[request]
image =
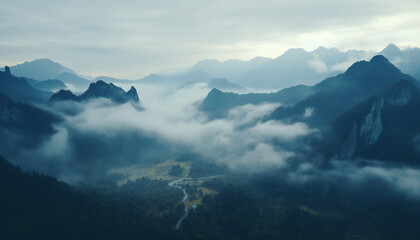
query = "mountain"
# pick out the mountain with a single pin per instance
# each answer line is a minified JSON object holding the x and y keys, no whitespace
{"x":46,"y":69}
{"x":336,"y":95}
{"x":99,"y":89}
{"x":23,"y":126}
{"x":64,"y":95}
{"x":40,"y":69}
{"x":230,"y":69}
{"x":297,"y":66}
{"x":218,"y":103}
{"x":224,"y":84}
{"x":47,"y":85}
{"x":407,"y":60}
{"x":384,"y":127}
{"x":73,"y":80}
{"x":177,"y":81}
{"x":113,"y":80}
{"x":219,"y":83}
{"x":18,"y":89}
{"x":117,"y":94}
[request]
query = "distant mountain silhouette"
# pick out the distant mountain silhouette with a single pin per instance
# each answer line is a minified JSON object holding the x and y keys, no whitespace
{"x":73,"y":80}
{"x":219,"y":83}
{"x":18,"y":89}
{"x":47,"y":85}
{"x":40,"y":69}
{"x":114,"y":80}
{"x":178,"y":80}
{"x":335,"y":95}
{"x":297,"y":66}
{"x":230,"y":69}
{"x":218,"y":103}
{"x":224,"y":84}
{"x":407,"y":60}
{"x":99,"y":89}
{"x":293,"y":67}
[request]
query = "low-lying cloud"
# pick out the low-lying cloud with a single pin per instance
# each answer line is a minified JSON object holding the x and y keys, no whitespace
{"x":359,"y":173}
{"x":98,"y":135}
{"x":107,"y":134}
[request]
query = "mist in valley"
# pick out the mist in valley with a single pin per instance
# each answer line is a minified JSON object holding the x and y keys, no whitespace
{"x":209,"y":120}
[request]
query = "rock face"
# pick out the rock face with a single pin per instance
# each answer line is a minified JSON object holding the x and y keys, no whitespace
{"x":97,"y":90}
{"x":401,"y":95}
{"x":350,"y":145}
{"x":132,"y":94}
{"x":371,"y":127}
{"x":7,"y":70}
{"x":384,"y":127}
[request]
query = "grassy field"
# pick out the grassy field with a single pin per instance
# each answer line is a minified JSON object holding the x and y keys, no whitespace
{"x":161,"y":172}
{"x":157,"y":171}
{"x":311,"y":211}
{"x":195,"y":199}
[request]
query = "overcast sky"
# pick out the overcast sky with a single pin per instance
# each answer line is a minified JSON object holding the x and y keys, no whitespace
{"x":132,"y":38}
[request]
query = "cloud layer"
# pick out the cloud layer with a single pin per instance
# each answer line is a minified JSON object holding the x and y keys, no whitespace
{"x":98,"y":135}
{"x":134,"y":38}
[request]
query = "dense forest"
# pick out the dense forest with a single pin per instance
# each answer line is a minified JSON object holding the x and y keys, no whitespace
{"x":251,"y":206}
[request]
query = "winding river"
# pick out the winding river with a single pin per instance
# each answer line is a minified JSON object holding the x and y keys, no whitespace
{"x":177,"y":184}
{"x":184,"y":199}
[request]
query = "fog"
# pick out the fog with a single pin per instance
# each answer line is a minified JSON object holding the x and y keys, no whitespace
{"x":361,"y":174}
{"x":97,"y":136}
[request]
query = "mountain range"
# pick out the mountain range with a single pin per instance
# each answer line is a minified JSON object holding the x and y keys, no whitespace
{"x":23,"y":126}
{"x":383,"y":127}
{"x":51,"y":85}
{"x":217,"y":103}
{"x":18,"y":89}
{"x":293,"y":67}
{"x":297,"y":66}
{"x":99,"y":89}
{"x":40,"y":69}
{"x":335,"y":95}
{"x":369,"y":111}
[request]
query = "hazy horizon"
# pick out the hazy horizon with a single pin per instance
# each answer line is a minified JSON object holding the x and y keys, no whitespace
{"x":132,"y":39}
{"x":177,"y":70}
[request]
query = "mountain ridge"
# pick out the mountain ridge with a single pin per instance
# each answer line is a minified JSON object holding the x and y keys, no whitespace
{"x":335,"y":95}
{"x":99,"y":89}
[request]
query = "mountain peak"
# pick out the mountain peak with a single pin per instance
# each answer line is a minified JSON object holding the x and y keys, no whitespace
{"x":39,"y":69}
{"x":321,"y":48}
{"x":324,"y":50}
{"x":379,"y":59}
{"x":132,"y":93}
{"x":296,"y":51}
{"x":63,"y":95}
{"x":45,"y":60}
{"x":7,"y":70}
{"x":391,"y":48}
{"x":117,"y":94}
{"x":100,"y":89}
{"x":214,"y":91}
